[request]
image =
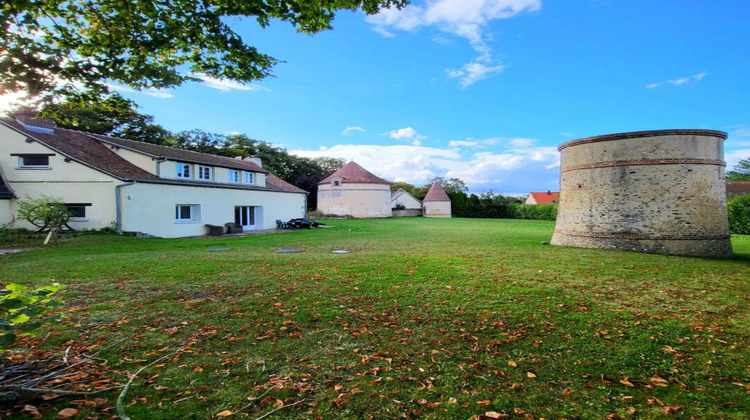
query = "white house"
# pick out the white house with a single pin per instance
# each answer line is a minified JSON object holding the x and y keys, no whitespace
{"x":136,"y":186}
{"x":436,"y":203}
{"x":355,"y":192}
{"x":403,"y":198}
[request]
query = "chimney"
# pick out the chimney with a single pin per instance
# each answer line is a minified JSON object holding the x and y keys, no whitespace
{"x":28,"y":118}
{"x":255,"y":160}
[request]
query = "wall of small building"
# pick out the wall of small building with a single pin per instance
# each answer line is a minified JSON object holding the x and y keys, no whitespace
{"x":6,"y":215}
{"x":436,"y":209}
{"x":355,"y":200}
{"x":408,"y":201}
{"x":530,"y":200}
{"x":151,"y":208}
{"x":70,"y":182}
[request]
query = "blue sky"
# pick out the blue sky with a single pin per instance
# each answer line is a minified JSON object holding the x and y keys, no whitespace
{"x":483,"y":90}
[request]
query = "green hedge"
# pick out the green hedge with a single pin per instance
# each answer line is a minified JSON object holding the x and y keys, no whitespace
{"x":535,"y":211}
{"x":738,"y":210}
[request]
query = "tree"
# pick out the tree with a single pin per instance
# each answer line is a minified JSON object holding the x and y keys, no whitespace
{"x":403,"y":185}
{"x":741,"y":171}
{"x":111,"y":115}
{"x":50,"y":46}
{"x":450,"y":185}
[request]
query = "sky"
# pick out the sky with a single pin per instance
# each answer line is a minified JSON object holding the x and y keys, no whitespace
{"x":482,"y":90}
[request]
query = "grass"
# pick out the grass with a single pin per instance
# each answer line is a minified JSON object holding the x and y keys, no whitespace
{"x":425,"y":318}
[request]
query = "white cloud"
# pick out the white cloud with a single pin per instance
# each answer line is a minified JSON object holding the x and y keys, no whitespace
{"x":156,"y":93}
{"x":226,"y":85}
{"x":679,"y":81}
{"x":508,"y":171}
{"x":406,"y":133}
{"x":463,"y":18}
{"x":463,"y":143}
{"x":348,"y":130}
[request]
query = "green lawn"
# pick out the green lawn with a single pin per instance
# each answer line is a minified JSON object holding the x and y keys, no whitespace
{"x":425,"y":318}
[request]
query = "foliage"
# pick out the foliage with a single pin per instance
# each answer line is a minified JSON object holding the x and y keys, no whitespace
{"x":738,"y":211}
{"x":112,"y":115}
{"x":46,"y":213}
{"x":741,"y":171}
{"x":23,"y":310}
{"x":535,"y":211}
{"x":399,"y":206}
{"x":52,"y":46}
{"x":489,"y":205}
{"x":403,"y":185}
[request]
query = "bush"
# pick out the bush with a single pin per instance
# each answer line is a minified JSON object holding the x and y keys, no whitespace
{"x":22,"y":310}
{"x":536,"y":211}
{"x":738,"y":211}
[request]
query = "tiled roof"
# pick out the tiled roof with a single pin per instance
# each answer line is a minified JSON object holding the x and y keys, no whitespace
{"x":5,"y":191}
{"x":84,"y":149}
{"x":354,"y":174}
{"x":182,"y":155}
{"x":549,"y":197}
{"x":88,"y":149}
{"x":436,"y":193}
{"x":737,"y":188}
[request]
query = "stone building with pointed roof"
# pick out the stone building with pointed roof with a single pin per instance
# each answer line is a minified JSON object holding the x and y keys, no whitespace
{"x":353,"y":191}
{"x":436,"y":203}
{"x":137,"y":187}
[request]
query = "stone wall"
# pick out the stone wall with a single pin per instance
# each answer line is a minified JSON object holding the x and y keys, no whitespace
{"x":651,"y":191}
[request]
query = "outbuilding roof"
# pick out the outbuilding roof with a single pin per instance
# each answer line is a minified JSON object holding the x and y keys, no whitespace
{"x":354,"y":174}
{"x":436,"y":193}
{"x":548,"y":197}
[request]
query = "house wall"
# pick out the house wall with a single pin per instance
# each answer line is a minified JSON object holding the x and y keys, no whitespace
{"x":355,"y":200}
{"x":71,"y":182}
{"x":408,"y":201}
{"x":658,"y":192}
{"x":436,"y":209}
{"x":530,"y":200}
{"x":168,"y":170}
{"x":147,"y":163}
{"x":150,"y":208}
{"x":5,"y":212}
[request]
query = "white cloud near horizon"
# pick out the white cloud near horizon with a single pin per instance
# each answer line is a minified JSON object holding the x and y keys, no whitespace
{"x":348,"y":130}
{"x":226,"y":85}
{"x":511,"y":170}
{"x":679,"y":81}
{"x":406,"y":134}
{"x":463,"y":18}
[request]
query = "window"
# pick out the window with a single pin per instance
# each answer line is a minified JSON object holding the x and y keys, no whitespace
{"x":77,"y":211}
{"x":234,"y":176}
{"x":248,"y":177}
{"x":204,"y":173}
{"x":33,"y":161}
{"x":187,"y":213}
{"x":244,"y":215}
{"x":183,"y":170}
{"x":336,"y":183}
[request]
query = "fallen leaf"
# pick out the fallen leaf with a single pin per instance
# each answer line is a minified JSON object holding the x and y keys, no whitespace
{"x":512,"y":363}
{"x":626,"y":382}
{"x":495,"y":415}
{"x":530,"y":375}
{"x":452,"y":400}
{"x":519,"y":410}
{"x":484,"y":402}
{"x":67,"y":413}
{"x":225,"y":413}
{"x":33,"y":411}
{"x":671,"y":409}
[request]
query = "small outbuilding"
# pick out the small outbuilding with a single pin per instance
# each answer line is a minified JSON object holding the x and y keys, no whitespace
{"x":549,"y":197}
{"x":405,"y":204}
{"x":436,"y":203}
{"x":353,"y":191}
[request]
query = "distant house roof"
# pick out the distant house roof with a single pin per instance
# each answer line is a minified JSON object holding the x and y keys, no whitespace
{"x":737,"y":188}
{"x":436,"y":193}
{"x":548,"y":197}
{"x":92,"y":150}
{"x":354,"y":174}
{"x":5,"y":191}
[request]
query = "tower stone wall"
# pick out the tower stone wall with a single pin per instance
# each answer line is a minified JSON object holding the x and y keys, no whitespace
{"x":649,"y":191}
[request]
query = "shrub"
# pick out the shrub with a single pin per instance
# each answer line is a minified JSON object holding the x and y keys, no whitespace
{"x":22,"y":310}
{"x":536,"y":211}
{"x":738,"y":211}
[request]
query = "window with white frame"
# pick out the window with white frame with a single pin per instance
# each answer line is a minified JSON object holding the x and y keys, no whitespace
{"x":33,"y":161}
{"x":234,"y":175}
{"x":204,"y":173}
{"x":248,"y":177}
{"x":187,"y":213}
{"x":183,"y":170}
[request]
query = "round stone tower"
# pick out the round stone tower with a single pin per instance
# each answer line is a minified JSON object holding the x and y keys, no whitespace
{"x":649,"y":191}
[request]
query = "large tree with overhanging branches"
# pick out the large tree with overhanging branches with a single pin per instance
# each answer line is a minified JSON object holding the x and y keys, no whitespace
{"x":57,"y":47}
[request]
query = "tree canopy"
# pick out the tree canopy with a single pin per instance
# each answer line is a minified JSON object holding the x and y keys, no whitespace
{"x":56,"y":47}
{"x":741,"y":171}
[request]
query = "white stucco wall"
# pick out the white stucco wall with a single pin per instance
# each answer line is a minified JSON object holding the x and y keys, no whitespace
{"x":408,"y":201}
{"x":5,"y":213}
{"x":355,"y":200}
{"x":71,"y":182}
{"x":436,"y":209}
{"x":147,"y":163}
{"x":150,"y":208}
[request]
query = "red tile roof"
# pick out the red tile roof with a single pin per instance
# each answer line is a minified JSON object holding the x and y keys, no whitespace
{"x":436,"y":193}
{"x":354,"y":174}
{"x":549,"y":197}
